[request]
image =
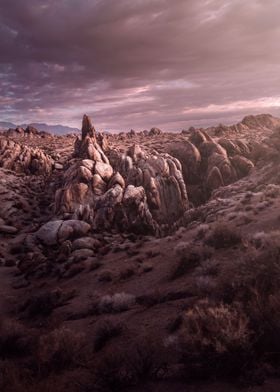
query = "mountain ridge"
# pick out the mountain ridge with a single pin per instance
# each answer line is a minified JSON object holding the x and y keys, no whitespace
{"x":57,"y":129}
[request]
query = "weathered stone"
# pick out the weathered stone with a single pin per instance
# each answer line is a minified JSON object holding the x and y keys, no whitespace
{"x":48,"y":233}
{"x":72,"y":229}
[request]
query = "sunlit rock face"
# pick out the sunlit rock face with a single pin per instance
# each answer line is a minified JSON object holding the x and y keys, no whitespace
{"x":143,"y":191}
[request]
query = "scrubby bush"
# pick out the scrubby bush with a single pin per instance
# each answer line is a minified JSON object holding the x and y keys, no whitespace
{"x":14,"y":339}
{"x":215,"y":338}
{"x":190,"y":255}
{"x":223,"y":236}
{"x":115,"y":303}
{"x":216,"y":328}
{"x":60,"y":349}
{"x":105,"y":331}
{"x":143,"y":361}
{"x":254,"y":282}
{"x":43,"y":303}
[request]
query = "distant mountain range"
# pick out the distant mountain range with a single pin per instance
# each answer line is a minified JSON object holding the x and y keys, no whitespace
{"x":56,"y":129}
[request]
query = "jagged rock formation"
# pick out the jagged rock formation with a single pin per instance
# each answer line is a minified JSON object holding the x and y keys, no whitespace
{"x":140,"y":192}
{"x":23,"y":159}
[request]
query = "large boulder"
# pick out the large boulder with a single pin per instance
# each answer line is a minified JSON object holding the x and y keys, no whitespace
{"x":55,"y":232}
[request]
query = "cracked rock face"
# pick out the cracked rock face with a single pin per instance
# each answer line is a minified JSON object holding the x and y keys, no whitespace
{"x":141,"y":192}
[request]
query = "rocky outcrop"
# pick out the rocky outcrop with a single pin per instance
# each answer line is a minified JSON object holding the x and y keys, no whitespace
{"x":141,"y":191}
{"x":208,"y":163}
{"x":22,"y":159}
{"x":161,"y":177}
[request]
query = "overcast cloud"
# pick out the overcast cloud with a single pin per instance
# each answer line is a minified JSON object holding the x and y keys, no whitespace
{"x":139,"y":63}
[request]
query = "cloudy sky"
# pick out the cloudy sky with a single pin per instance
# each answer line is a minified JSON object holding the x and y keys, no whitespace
{"x":139,"y":63}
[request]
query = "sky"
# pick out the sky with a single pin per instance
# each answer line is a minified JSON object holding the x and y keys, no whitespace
{"x":136,"y":64}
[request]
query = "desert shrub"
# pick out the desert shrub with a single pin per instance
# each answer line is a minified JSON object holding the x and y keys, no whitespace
{"x":272,"y":191}
{"x":190,"y":256}
{"x":115,"y":303}
{"x":202,"y":230}
{"x":134,"y":365}
{"x":258,"y":273}
{"x":254,"y":281}
{"x":205,"y":285}
{"x":15,"y":340}
{"x":215,"y":338}
{"x":60,"y":349}
{"x":42,"y":304}
{"x":270,"y":240}
{"x":45,"y":302}
{"x":105,"y":331}
{"x":217,"y":328}
{"x":223,"y":236}
{"x":15,"y":378}
{"x":174,"y":324}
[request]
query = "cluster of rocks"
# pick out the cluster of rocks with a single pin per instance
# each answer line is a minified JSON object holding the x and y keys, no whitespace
{"x":23,"y":159}
{"x":28,"y":132}
{"x":137,"y":191}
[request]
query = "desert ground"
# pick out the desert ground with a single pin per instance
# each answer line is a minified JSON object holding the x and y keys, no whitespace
{"x":144,"y":261}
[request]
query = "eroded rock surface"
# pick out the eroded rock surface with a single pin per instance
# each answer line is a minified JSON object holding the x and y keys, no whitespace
{"x":141,"y":191}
